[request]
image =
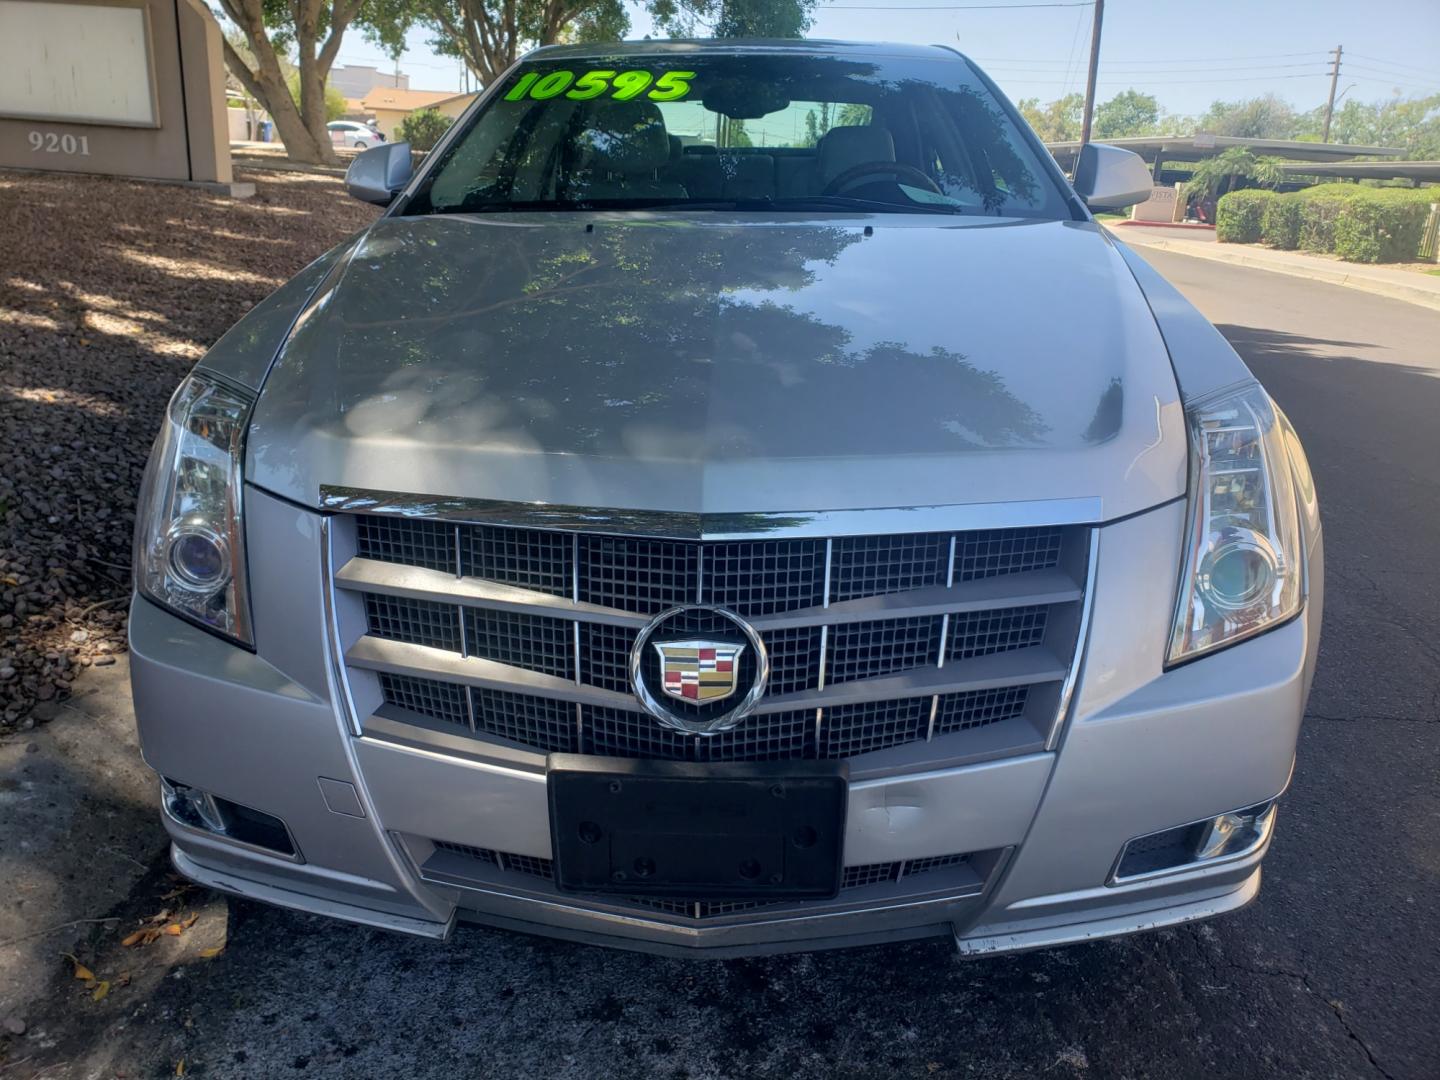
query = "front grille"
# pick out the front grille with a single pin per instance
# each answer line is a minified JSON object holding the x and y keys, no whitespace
{"x":860,"y":673}
{"x":852,"y":878}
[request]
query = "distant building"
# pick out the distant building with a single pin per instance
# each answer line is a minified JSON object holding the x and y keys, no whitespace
{"x":357,"y":80}
{"x":389,"y":107}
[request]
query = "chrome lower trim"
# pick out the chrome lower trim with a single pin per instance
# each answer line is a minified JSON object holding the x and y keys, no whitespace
{"x":1093,"y":929}
{"x":684,"y":525}
{"x":437,"y":930}
{"x":1082,"y":642}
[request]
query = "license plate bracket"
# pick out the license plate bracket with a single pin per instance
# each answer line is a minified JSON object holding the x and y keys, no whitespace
{"x":761,"y":830}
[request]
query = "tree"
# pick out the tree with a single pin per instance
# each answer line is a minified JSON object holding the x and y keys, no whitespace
{"x":1412,"y":124}
{"x":1266,"y":117}
{"x":1225,"y":171}
{"x":1127,"y":113}
{"x":488,"y":35}
{"x":310,"y":31}
{"x":335,"y":106}
{"x":1059,"y":121}
{"x":761,"y":18}
{"x":423,"y":128}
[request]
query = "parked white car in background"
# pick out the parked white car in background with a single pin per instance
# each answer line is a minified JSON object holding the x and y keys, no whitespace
{"x":352,"y":133}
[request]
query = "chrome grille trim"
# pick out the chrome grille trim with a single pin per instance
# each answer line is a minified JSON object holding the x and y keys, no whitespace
{"x":1032,"y":587}
{"x":1011,"y":621}
{"x":683,"y":525}
{"x":1022,"y":667}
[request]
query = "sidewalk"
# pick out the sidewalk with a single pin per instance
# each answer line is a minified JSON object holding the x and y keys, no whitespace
{"x":1404,"y":285}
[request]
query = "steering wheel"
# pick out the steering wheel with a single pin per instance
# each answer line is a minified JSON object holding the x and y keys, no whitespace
{"x":871,"y":168}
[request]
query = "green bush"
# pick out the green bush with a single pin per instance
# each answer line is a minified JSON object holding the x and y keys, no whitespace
{"x":1280,"y":224}
{"x":1381,"y":229}
{"x":1320,"y":209}
{"x":1356,"y":222}
{"x":423,"y":128}
{"x":1239,"y":214}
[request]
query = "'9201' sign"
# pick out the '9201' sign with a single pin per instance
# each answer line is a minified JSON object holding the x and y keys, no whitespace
{"x":50,"y":142}
{"x":620,"y":85}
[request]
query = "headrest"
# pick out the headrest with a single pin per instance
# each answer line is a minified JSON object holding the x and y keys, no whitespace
{"x":624,"y":137}
{"x":843,"y":148}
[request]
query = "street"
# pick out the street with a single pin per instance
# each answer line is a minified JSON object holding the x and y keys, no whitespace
{"x":1335,"y":972}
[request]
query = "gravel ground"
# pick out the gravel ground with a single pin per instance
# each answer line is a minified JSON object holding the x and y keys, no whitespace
{"x":109,"y":291}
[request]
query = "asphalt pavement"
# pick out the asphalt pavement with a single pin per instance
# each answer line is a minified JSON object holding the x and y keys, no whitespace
{"x":1335,"y":972}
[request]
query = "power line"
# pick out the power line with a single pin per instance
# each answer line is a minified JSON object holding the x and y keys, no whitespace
{"x":1166,"y":82}
{"x":1175,"y":60}
{"x":1178,"y":71}
{"x":1400,"y":78}
{"x":1394,"y":63}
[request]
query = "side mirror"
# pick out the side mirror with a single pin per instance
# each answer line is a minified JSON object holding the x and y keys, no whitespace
{"x":378,"y":174}
{"x":1108,"y":178}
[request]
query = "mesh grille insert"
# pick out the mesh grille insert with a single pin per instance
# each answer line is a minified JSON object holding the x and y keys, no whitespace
{"x":618,"y":733}
{"x":429,"y":697}
{"x":526,"y":558}
{"x":405,"y":540}
{"x":605,"y":655}
{"x":761,"y":577}
{"x":870,"y":874}
{"x":848,"y":730}
{"x":543,"y":723}
{"x":852,"y":877}
{"x":978,"y":633}
{"x":991,"y":552}
{"x":528,"y":641}
{"x":767,"y":737}
{"x":419,"y":622}
{"x":794,"y":659}
{"x":875,"y":565}
{"x":976,"y":708}
{"x":867,"y":650}
{"x":638,"y":574}
{"x":934,"y":862}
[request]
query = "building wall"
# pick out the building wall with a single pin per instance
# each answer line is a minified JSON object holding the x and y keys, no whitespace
{"x":357,"y":80}
{"x":189,"y":136}
{"x":388,"y":120}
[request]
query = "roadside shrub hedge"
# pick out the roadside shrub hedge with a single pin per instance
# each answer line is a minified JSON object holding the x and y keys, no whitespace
{"x":1359,"y":224}
{"x":1280,"y":227}
{"x":1239,"y":215}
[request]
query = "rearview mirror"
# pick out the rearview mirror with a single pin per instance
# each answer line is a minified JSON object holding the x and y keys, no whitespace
{"x":1108,"y":178}
{"x":379,"y":174}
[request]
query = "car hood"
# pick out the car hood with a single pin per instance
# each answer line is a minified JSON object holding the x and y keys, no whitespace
{"x":726,"y":364}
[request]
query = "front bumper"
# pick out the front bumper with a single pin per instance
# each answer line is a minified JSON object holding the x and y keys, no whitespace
{"x":1144,"y":749}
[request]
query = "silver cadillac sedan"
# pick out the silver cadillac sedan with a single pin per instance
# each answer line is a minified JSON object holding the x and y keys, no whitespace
{"x":735,"y":499}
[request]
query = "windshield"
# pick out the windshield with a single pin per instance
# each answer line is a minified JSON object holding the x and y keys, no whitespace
{"x":725,"y":131}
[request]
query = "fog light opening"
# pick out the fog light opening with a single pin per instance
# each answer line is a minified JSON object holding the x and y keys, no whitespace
{"x":209,"y":813}
{"x":1225,"y":836}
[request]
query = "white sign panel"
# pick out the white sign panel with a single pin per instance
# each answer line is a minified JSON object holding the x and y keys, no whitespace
{"x":85,"y":63}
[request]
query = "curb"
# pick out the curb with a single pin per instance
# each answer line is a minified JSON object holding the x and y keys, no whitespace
{"x":1393,"y":290}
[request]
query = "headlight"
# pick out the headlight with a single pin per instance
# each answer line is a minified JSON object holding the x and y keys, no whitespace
{"x":1244,"y":561}
{"x":189,"y":539}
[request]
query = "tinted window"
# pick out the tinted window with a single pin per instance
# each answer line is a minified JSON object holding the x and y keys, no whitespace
{"x":748,"y":131}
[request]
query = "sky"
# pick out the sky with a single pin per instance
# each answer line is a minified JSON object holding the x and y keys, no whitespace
{"x":1187,"y":54}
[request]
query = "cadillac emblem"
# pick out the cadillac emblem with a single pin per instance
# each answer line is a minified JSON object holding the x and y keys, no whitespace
{"x":699,"y":669}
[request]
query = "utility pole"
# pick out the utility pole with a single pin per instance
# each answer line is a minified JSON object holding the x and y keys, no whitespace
{"x":1334,"y":79}
{"x":1090,"y":79}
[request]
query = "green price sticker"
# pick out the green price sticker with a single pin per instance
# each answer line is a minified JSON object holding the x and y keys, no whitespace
{"x":620,"y":85}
